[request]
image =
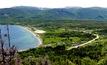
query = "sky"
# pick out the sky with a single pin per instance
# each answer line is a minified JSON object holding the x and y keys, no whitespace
{"x":53,"y":3}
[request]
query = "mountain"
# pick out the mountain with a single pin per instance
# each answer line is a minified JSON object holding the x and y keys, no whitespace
{"x":92,"y":13}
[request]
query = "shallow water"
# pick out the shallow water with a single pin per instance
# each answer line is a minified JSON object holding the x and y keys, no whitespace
{"x":20,"y":37}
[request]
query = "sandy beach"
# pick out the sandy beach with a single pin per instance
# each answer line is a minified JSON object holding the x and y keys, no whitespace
{"x":35,"y":34}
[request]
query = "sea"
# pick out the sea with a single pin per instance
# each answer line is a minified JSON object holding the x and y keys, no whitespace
{"x":20,"y":37}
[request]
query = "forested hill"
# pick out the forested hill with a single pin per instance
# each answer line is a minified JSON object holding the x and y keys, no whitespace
{"x":94,"y":13}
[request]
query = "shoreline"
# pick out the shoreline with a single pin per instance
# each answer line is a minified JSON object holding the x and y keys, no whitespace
{"x":34,"y":34}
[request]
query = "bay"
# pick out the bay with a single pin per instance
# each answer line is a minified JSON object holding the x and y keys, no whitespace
{"x":20,"y":37}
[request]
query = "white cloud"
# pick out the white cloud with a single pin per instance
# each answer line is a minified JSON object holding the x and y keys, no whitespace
{"x":53,"y":3}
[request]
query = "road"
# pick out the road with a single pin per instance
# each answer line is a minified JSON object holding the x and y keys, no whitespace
{"x":97,"y":36}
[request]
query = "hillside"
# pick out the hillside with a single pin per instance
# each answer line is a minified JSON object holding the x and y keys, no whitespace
{"x":94,"y":13}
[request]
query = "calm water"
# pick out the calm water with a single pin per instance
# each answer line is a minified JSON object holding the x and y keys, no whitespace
{"x":20,"y":37}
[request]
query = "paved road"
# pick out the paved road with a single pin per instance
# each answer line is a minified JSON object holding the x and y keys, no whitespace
{"x":97,"y":36}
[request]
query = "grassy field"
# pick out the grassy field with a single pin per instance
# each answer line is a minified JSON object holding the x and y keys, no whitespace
{"x":58,"y":39}
{"x":75,"y":39}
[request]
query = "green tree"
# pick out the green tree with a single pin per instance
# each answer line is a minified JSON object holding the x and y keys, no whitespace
{"x":102,"y":62}
{"x":88,"y":61}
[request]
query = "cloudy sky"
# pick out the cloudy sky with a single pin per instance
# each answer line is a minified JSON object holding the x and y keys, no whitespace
{"x":53,"y":3}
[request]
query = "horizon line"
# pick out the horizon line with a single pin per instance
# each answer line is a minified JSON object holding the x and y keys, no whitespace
{"x":54,"y":7}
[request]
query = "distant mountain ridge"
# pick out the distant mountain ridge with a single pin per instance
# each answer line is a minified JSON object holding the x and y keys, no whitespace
{"x":92,"y":13}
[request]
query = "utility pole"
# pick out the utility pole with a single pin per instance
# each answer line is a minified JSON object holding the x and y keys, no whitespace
{"x":8,"y":35}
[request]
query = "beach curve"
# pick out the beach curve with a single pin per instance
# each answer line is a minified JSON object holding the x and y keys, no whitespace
{"x":34,"y":34}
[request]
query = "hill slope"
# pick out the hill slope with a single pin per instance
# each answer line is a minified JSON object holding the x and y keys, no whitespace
{"x":94,"y":13}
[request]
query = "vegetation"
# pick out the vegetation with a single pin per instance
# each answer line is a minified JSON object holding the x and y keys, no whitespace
{"x":59,"y":33}
{"x":91,"y":54}
{"x":75,"y":13}
{"x":88,"y":55}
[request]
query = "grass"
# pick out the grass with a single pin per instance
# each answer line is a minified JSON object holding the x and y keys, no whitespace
{"x":75,"y":39}
{"x":59,"y":39}
{"x":52,"y":40}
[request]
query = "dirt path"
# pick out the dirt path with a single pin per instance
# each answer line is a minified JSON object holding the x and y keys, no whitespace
{"x":97,"y":36}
